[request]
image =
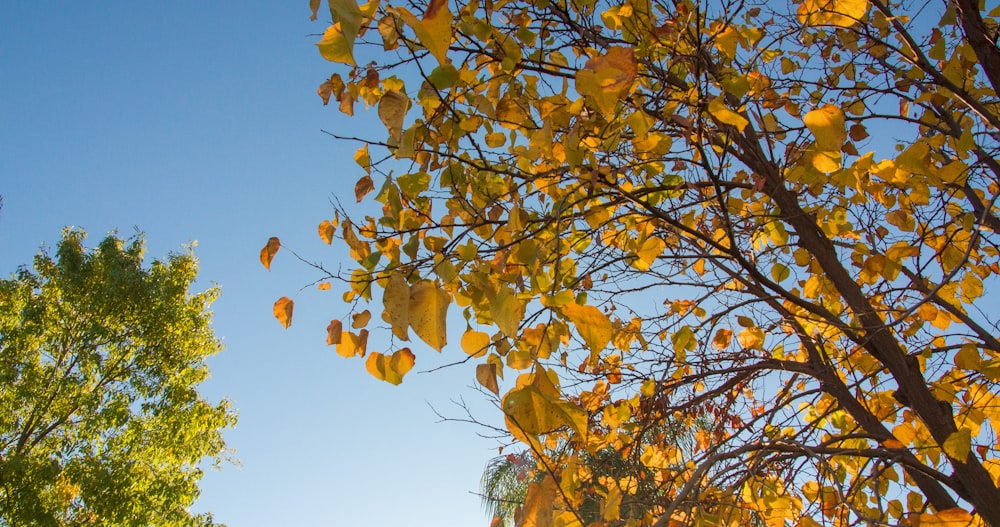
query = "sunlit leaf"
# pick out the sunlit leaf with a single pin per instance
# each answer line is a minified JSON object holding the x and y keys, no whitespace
{"x":593,"y":326}
{"x":335,"y":45}
{"x":283,"y":308}
{"x":717,"y":107}
{"x":396,"y":299}
{"x":958,"y":444}
{"x":326,"y":231}
{"x":428,"y":313}
{"x":391,"y":368}
{"x":843,"y":13}
{"x":828,"y":126}
{"x":269,"y":250}
{"x":475,"y":343}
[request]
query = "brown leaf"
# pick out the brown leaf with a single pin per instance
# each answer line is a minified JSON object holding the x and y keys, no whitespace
{"x":283,"y":311}
{"x":363,"y":187}
{"x":269,"y":250}
{"x":486,"y":374}
{"x":333,"y":332}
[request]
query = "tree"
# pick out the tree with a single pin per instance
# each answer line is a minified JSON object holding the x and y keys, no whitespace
{"x":778,"y":216}
{"x":101,"y":422}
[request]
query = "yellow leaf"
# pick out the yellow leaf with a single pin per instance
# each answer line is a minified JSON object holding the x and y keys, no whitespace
{"x":283,"y":311}
{"x":972,"y":288}
{"x":958,"y":444}
{"x":507,"y":312}
{"x":335,"y":45}
{"x":648,"y":252}
{"x":726,"y":116}
{"x":727,"y":40}
{"x":326,"y":231}
{"x":752,"y":338}
{"x":396,"y":299}
{"x":593,"y":326}
{"x":392,"y":109}
{"x":269,"y":250}
{"x":333,"y":333}
{"x":486,"y":374}
{"x":955,"y":517}
{"x":826,"y":162}
{"x":362,"y":158}
{"x":841,"y":13}
{"x":323,"y":286}
{"x":356,"y":344}
{"x":538,"y":502}
{"x":827,"y":124}
{"x":608,"y":78}
{"x":475,"y":343}
{"x":434,"y":30}
{"x":428,"y":312}
{"x":390,"y":369}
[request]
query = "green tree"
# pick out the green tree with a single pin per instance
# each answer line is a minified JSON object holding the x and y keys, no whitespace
{"x":101,"y":422}
{"x":781,"y":217}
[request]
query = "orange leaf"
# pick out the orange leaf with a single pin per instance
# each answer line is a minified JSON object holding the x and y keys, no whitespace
{"x":324,"y":286}
{"x":333,"y":333}
{"x":283,"y":310}
{"x":269,"y":250}
{"x":326,"y":231}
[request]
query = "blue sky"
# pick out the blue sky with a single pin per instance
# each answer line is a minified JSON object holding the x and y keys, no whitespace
{"x":199,"y":121}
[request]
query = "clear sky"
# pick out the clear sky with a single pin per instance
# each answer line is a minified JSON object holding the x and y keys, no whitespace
{"x":199,"y":121}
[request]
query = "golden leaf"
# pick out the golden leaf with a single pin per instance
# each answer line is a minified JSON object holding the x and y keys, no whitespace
{"x":392,"y":368}
{"x":434,"y":31}
{"x":396,"y":299}
{"x":269,"y":250}
{"x":726,"y":116}
{"x":507,"y":312}
{"x":326,"y":231}
{"x":593,"y":326}
{"x":841,"y":13}
{"x":958,"y":444}
{"x":283,"y":311}
{"x":428,"y":312}
{"x":333,"y":332}
{"x":608,"y":78}
{"x":356,"y":344}
{"x":954,"y":517}
{"x":827,"y":124}
{"x":475,"y":343}
{"x":538,"y":502}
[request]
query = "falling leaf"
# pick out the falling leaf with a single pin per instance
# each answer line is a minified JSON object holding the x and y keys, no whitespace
{"x":333,"y":333}
{"x":269,"y":250}
{"x":283,"y":311}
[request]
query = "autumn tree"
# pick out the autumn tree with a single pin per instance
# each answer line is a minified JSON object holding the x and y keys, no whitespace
{"x":101,"y":422}
{"x":779,"y":216}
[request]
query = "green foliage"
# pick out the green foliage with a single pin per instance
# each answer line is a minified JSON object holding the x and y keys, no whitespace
{"x":100,"y":419}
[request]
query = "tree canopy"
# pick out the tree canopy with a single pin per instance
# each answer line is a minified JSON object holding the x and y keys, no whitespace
{"x":776,"y":217}
{"x":101,"y":422}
